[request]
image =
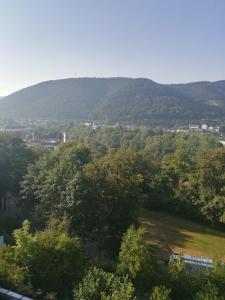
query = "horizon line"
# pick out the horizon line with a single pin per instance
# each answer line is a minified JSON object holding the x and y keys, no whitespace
{"x":108,"y":77}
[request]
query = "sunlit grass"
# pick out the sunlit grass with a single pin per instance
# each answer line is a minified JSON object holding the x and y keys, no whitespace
{"x":170,"y":233}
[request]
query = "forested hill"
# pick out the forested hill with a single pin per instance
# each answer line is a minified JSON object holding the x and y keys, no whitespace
{"x":116,"y":99}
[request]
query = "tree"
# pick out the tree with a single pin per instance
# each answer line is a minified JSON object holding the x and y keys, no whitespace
{"x":160,"y":293}
{"x":45,"y":187}
{"x":14,"y":160}
{"x":209,"y":181}
{"x":50,"y":261}
{"x":183,"y":285}
{"x":107,"y":195}
{"x":210,"y":173}
{"x":209,"y":292}
{"x":11,"y":274}
{"x":136,"y":260}
{"x":213,"y":280}
{"x":100,"y":285}
{"x":101,"y":198}
{"x":214,"y":210}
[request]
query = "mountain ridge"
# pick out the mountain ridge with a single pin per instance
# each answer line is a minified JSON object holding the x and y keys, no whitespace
{"x":116,"y":99}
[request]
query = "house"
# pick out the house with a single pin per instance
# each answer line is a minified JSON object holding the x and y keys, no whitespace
{"x":194,"y":127}
{"x":217,"y":129}
{"x":183,"y":130}
{"x":89,"y":124}
{"x":211,"y":128}
{"x":204,"y":126}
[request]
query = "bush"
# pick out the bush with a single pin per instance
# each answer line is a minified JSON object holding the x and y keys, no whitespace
{"x":100,"y":285}
{"x":160,"y":293}
{"x":49,"y":261}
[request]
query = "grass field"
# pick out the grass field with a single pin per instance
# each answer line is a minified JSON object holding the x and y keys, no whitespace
{"x":175,"y":234}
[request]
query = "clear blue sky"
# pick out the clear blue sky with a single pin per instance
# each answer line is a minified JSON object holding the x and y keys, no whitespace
{"x":165,"y":40}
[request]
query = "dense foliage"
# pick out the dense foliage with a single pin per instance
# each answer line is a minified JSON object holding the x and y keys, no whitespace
{"x":100,"y":198}
{"x":100,"y":285}
{"x":45,"y":190}
{"x":49,"y":261}
{"x":83,"y":240}
{"x":14,"y":159}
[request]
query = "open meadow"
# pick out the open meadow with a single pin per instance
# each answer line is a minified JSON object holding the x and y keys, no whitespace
{"x":172,"y":234}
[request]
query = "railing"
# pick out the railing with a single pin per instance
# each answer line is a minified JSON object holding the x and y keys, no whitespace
{"x":193,"y":260}
{"x":9,"y":295}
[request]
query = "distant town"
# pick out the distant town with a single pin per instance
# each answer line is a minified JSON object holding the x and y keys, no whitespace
{"x":205,"y":128}
{"x":28,"y":133}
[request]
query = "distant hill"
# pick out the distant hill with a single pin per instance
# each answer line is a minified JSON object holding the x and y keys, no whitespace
{"x":116,"y":100}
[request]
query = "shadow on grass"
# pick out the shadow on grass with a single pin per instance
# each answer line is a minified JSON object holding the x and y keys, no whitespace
{"x":167,"y":232}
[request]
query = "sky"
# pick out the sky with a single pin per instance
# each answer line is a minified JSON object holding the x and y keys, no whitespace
{"x":168,"y":41}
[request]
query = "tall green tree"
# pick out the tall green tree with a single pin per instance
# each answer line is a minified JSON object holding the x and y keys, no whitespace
{"x":209,"y":183}
{"x":44,"y":190}
{"x":107,"y":195}
{"x":136,"y":260}
{"x":14,"y":160}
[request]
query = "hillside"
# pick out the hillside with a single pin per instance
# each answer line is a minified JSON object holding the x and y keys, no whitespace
{"x":182,"y":236}
{"x":116,"y":99}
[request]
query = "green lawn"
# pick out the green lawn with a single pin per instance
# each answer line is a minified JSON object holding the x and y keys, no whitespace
{"x":175,"y":234}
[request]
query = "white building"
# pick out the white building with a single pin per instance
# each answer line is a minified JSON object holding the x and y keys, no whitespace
{"x":204,"y":126}
{"x":194,"y":127}
{"x":88,"y":124}
{"x":217,"y":129}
